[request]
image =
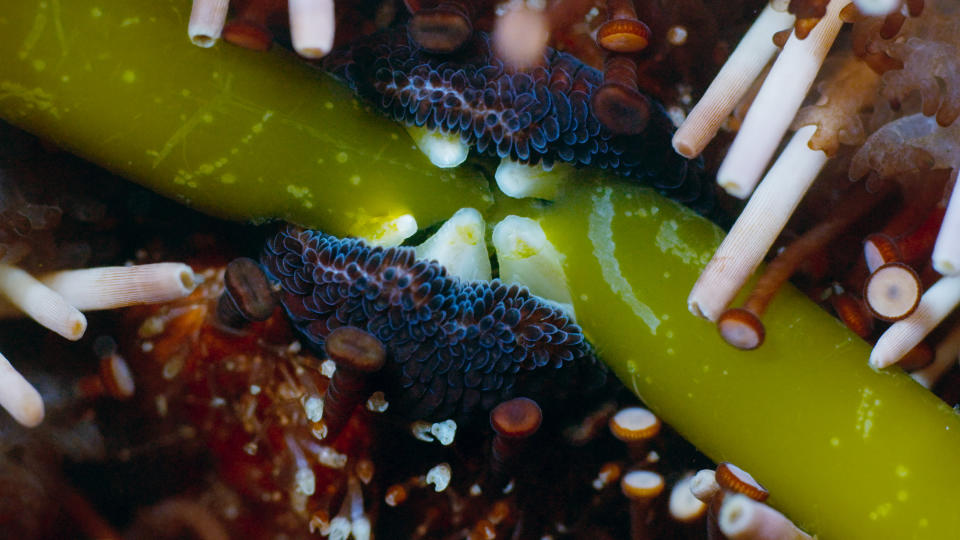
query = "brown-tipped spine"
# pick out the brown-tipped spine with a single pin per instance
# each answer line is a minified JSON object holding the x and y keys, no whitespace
{"x":741,"y":328}
{"x":739,"y":325}
{"x":114,"y":379}
{"x":917,"y":246}
{"x":914,"y":7}
{"x":247,"y":295}
{"x":623,"y":35}
{"x":249,"y":28}
{"x":853,"y":313}
{"x":513,"y":422}
{"x":357,"y":354}
{"x":892,"y":292}
{"x":636,"y":427}
{"x":618,"y":103}
{"x":880,"y":249}
{"x":442,"y":28}
{"x":919,"y":357}
{"x":642,"y":488}
{"x":735,"y":479}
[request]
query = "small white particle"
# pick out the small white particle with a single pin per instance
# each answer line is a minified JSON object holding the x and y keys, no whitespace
{"x":329,"y":457}
{"x":439,"y":476}
{"x":172,"y":367}
{"x":378,"y":402}
{"x":676,"y":115}
{"x":313,"y":406}
{"x":327,"y":368}
{"x":254,"y":389}
{"x":339,"y":528}
{"x":161,"y":403}
{"x":444,"y":431}
{"x":677,"y":35}
{"x":318,"y":525}
{"x":230,"y":511}
{"x":361,"y":528}
{"x":305,"y":481}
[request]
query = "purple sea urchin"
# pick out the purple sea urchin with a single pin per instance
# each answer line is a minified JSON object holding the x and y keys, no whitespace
{"x":454,"y":347}
{"x":538,"y":115}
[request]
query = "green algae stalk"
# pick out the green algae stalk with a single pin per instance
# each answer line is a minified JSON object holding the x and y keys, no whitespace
{"x":231,"y":132}
{"x":846,"y":451}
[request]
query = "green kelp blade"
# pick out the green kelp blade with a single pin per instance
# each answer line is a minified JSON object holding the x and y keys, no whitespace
{"x":231,"y":132}
{"x":846,"y":451}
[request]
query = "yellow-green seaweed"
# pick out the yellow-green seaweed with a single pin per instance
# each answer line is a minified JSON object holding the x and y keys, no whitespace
{"x":847,"y":452}
{"x":232,"y":132}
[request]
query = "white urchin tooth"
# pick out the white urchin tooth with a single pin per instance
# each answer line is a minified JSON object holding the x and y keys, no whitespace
{"x":442,"y":149}
{"x":527,"y":258}
{"x":519,"y":181}
{"x":459,"y":246}
{"x":386,"y":232}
